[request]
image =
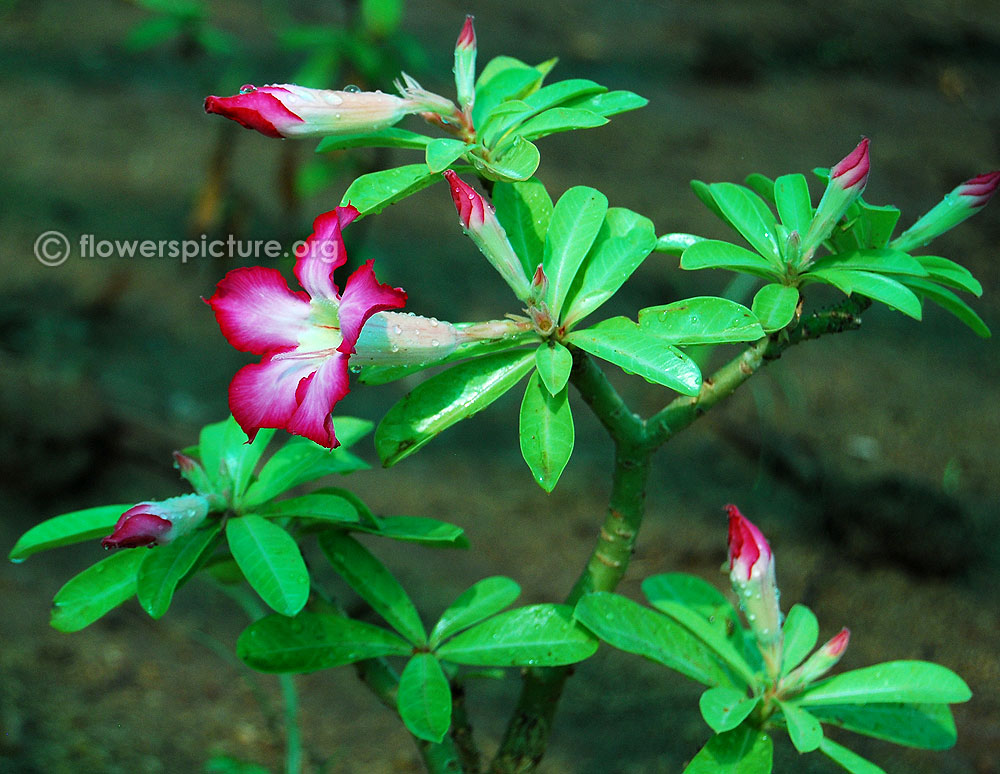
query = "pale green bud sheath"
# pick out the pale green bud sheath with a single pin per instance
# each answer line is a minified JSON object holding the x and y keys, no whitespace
{"x":962,"y":202}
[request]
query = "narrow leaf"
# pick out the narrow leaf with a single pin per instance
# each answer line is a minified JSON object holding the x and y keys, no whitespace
{"x":69,"y":528}
{"x":95,"y":591}
{"x":318,"y":506}
{"x":951,"y":303}
{"x":546,"y":432}
{"x":803,"y":728}
{"x":725,"y":708}
{"x":761,"y":185}
{"x":165,"y":567}
{"x":553,"y":363}
{"x":563,"y":91}
{"x":227,"y":457}
{"x":701,"y":320}
{"x":424,"y":698}
{"x":417,"y":529}
{"x":524,"y":210}
{"x":513,"y":161}
{"x":906,"y":681}
{"x":744,"y":750}
{"x":800,"y":632}
{"x":774,"y":305}
{"x":574,"y":225}
{"x":501,"y":79}
{"x":559,"y":119}
{"x":440,"y":153}
{"x":950,"y":273}
{"x":375,"y":191}
{"x":270,"y":559}
{"x":883,"y":261}
{"x":848,"y":759}
{"x":610,"y":103}
{"x":713,"y":254}
{"x":384,"y":138}
{"x":791,"y":197}
{"x":926,"y":726}
{"x":878,"y":287}
{"x":750,"y":217}
{"x":481,"y":600}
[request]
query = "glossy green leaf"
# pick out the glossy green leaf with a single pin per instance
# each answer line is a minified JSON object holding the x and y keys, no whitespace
{"x":576,"y":220}
{"x":100,"y":588}
{"x":725,"y":708}
{"x":883,"y":261}
{"x":951,"y":303}
{"x":440,"y":153}
{"x":704,"y":194}
{"x":501,"y":79}
{"x":301,"y":460}
{"x":375,"y":191}
{"x":553,"y":363}
{"x":628,"y":626}
{"x":227,"y":457}
{"x":373,"y":583}
{"x":875,"y":223}
{"x":950,"y":273}
{"x":745,"y":211}
{"x":622,"y":244}
{"x":270,"y":559}
{"x":693,"y":592}
{"x":761,"y":185}
{"x":546,"y":432}
{"x":610,"y":103}
{"x":877,"y":287}
{"x":537,"y":635}
{"x":713,"y":254}
{"x":417,"y":529}
{"x":563,"y":91}
{"x":165,"y":567}
{"x":744,"y":750}
{"x":676,"y":243}
{"x":803,"y":728}
{"x":791,"y":197}
{"x":514,"y":161}
{"x":848,"y":759}
{"x":926,"y":726}
{"x":69,"y":528}
{"x":504,"y":117}
{"x":384,"y":138}
{"x":774,"y":305}
{"x":445,"y":399}
{"x":424,"y":698}
{"x":893,"y":681}
{"x":637,"y":351}
{"x":559,"y":119}
{"x":481,"y":600}
{"x":800,"y":631}
{"x":701,"y":320}
{"x":524,"y":210}
{"x":312,"y":641}
{"x":319,"y":506}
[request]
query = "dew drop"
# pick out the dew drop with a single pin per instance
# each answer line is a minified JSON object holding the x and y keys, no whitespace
{"x":434,"y":322}
{"x":352,"y":89}
{"x":395,"y":348}
{"x":397,"y":330}
{"x":247,"y":88}
{"x":435,"y":343}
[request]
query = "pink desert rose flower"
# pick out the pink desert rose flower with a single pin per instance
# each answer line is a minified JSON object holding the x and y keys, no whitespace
{"x":157,"y":523}
{"x":305,"y":337}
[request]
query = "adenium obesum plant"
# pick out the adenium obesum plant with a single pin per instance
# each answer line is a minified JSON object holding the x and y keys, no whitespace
{"x":249,"y":516}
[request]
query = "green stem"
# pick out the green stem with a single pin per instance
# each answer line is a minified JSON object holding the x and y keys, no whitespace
{"x":293,"y":737}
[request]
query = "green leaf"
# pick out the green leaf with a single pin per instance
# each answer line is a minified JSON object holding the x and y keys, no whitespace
{"x":701,"y":320}
{"x":761,"y":185}
{"x":440,"y":153}
{"x":227,"y":457}
{"x":875,"y":286}
{"x":745,"y":211}
{"x":502,"y":120}
{"x":576,"y":220}
{"x":951,"y":303}
{"x":725,"y":708}
{"x":165,"y":567}
{"x":553,"y":363}
{"x":848,"y":759}
{"x":950,"y":273}
{"x":384,"y":138}
{"x":524,"y":209}
{"x":559,"y":119}
{"x":318,"y":506}
{"x":373,"y":583}
{"x":622,"y":244}
{"x":270,"y":559}
{"x":875,"y":222}
{"x":563,"y":91}
{"x":676,"y":243}
{"x":417,"y":529}
{"x":637,"y":351}
{"x":628,"y":626}
{"x":610,"y":103}
{"x":536,"y":635}
{"x":69,"y":528}
{"x":375,"y":191}
{"x":501,"y":79}
{"x":883,"y":261}
{"x":424,"y":698}
{"x":906,"y":681}
{"x":546,"y":432}
{"x":744,"y":750}
{"x":514,"y":161}
{"x":95,"y":591}
{"x":800,"y":632}
{"x":926,"y":726}
{"x":381,"y":18}
{"x":481,"y":600}
{"x":301,"y":460}
{"x":312,"y":641}
{"x":713,"y":254}
{"x":791,"y":198}
{"x":774,"y":305}
{"x":445,"y":399}
{"x":803,"y":728}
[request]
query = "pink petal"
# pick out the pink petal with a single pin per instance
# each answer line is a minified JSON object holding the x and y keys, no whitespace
{"x":263,"y":394}
{"x":257,"y":109}
{"x":257,"y":312}
{"x":136,"y":528}
{"x":323,"y":252}
{"x":317,"y":396}
{"x":364,"y":296}
{"x":852,"y":170}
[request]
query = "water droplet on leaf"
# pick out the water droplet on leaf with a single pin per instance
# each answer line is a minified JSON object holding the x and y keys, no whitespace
{"x":352,"y":88}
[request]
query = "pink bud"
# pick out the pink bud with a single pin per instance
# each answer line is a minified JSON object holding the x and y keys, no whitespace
{"x":979,"y":189}
{"x":137,"y":527}
{"x":838,"y":644}
{"x":467,"y":37}
{"x":471,"y":206}
{"x":747,"y":545}
{"x":852,"y":171}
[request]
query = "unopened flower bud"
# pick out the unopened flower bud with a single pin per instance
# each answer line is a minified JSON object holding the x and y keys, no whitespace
{"x":539,"y":284}
{"x":819,"y":663}
{"x":192,"y":471}
{"x":398,"y":338}
{"x":465,"y":66}
{"x":479,"y":220}
{"x":847,"y":180}
{"x":962,"y":202}
{"x":158,"y":523}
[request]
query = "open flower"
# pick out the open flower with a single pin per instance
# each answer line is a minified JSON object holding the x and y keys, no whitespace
{"x":158,"y":523}
{"x":305,"y":338}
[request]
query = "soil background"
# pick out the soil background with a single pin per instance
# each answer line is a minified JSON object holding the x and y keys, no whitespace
{"x":868,"y":458}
